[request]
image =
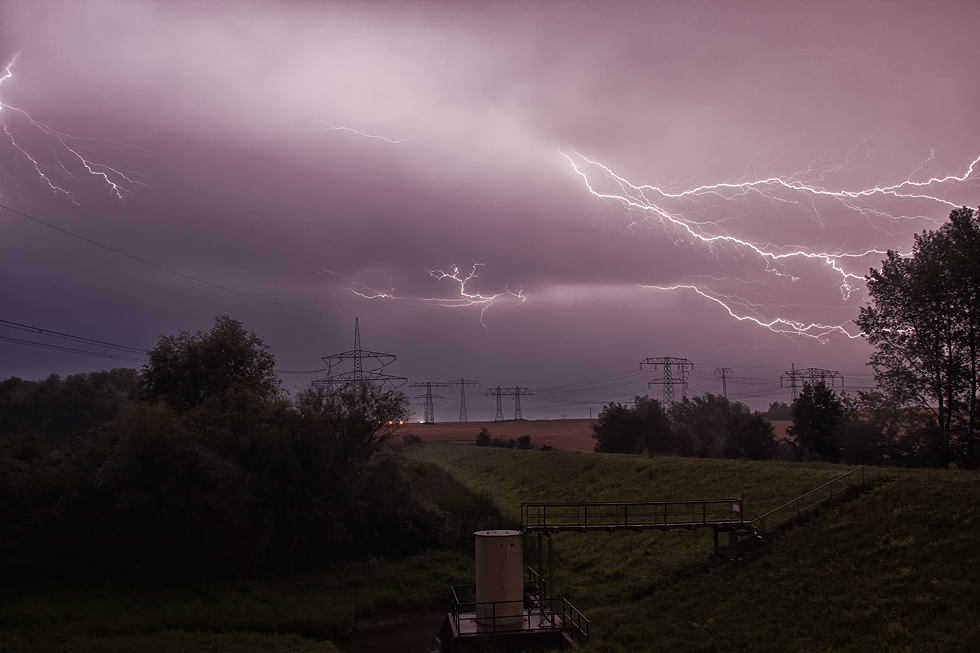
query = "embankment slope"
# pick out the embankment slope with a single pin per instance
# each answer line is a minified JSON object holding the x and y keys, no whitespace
{"x":895,"y":569}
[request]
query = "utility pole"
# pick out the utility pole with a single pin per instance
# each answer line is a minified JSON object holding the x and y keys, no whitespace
{"x":668,"y":382}
{"x":516,"y":392}
{"x":358,"y":379}
{"x":428,"y":412}
{"x":462,"y":383}
{"x":725,"y":373}
{"x":810,"y":375}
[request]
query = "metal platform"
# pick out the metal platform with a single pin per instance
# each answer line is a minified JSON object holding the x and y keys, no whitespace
{"x":552,"y":517}
{"x":534,"y":623}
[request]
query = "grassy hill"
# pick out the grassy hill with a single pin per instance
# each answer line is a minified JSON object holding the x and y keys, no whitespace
{"x":894,"y":569}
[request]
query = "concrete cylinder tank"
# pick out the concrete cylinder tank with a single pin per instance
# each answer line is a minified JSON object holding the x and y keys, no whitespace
{"x":499,"y":580}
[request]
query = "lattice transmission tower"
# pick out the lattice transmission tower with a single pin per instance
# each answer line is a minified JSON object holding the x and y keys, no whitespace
{"x":516,"y":392}
{"x":724,"y":373}
{"x":811,"y":375}
{"x":499,"y":415}
{"x":428,"y":411}
{"x":462,"y":383}
{"x":669,"y":364}
{"x":358,"y":378}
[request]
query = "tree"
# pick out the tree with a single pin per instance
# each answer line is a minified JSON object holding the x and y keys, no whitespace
{"x":705,"y":420}
{"x":642,"y":427}
{"x":750,"y":435}
{"x":63,"y":409}
{"x":185,"y":370}
{"x":924,"y":323}
{"x":779,"y":410}
{"x":817,"y":415}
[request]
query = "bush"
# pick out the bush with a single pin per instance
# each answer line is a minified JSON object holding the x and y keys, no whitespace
{"x":410,"y":438}
{"x":483,"y":438}
{"x":524,"y":442}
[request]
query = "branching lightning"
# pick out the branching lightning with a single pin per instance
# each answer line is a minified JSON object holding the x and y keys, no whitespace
{"x":54,"y":157}
{"x":464,"y":296}
{"x":776,"y":325}
{"x":327,"y":126}
{"x":690,"y":215}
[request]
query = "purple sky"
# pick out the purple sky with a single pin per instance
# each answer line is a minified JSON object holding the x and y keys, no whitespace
{"x":586,"y":157}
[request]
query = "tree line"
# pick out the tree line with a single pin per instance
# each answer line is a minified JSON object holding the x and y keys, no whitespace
{"x":211,"y":469}
{"x":923,"y":321}
{"x":707,"y":426}
{"x":63,"y":409}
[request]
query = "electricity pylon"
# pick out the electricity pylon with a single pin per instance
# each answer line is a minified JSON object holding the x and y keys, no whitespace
{"x":499,"y":415}
{"x":358,"y":378}
{"x":428,"y":412}
{"x":809,"y":375}
{"x":668,"y":382}
{"x":516,"y":392}
{"x":725,"y":373}
{"x":462,"y":383}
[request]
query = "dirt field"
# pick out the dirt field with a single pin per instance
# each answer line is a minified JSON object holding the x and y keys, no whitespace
{"x":780,"y":426}
{"x":562,"y":434}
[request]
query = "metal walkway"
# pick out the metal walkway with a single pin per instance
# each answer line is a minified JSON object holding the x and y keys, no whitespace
{"x":721,"y":515}
{"x":582,"y":516}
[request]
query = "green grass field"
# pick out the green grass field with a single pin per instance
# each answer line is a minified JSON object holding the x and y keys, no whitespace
{"x":895,"y":569}
{"x":298,"y":612}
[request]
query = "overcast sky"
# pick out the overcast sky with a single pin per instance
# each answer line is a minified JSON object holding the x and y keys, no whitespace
{"x":627,"y":180}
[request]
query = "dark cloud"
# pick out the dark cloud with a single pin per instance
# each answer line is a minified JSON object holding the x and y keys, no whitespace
{"x":312,"y":153}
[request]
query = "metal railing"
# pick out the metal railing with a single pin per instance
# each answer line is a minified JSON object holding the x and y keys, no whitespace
{"x":573,"y":618}
{"x":816,"y":496}
{"x":519,"y":615}
{"x":536,"y":584}
{"x":613,"y":515}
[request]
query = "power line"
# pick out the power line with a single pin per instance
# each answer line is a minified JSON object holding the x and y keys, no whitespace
{"x":166,"y":269}
{"x":68,"y":336}
{"x":43,"y":345}
{"x":302,"y":371}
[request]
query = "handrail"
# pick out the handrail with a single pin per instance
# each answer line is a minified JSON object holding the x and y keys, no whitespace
{"x":612,"y":515}
{"x":498,"y":616}
{"x":573,"y":618}
{"x":761,"y":520}
{"x":627,"y":503}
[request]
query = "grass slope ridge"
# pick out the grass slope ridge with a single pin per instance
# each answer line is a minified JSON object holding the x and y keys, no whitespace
{"x":894,"y":570}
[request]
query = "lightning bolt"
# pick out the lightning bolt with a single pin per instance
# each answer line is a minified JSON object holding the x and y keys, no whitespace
{"x":329,"y":126}
{"x":777,"y":325}
{"x":684,"y":215}
{"x":462,"y":283}
{"x":62,"y":162}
